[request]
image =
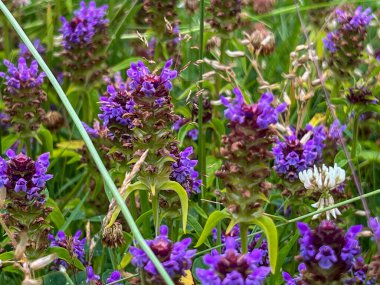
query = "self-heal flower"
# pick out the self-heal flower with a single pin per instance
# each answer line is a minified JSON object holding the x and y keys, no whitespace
{"x":23,"y":96}
{"x":345,"y":45}
{"x":25,"y":53}
{"x":82,"y":28}
{"x":328,"y":254}
{"x":246,"y":150}
{"x":24,"y":176}
{"x":233,"y":267}
{"x":175,"y":258}
{"x":91,"y":276}
{"x":184,"y":173}
{"x":298,"y":151}
{"x":74,"y":245}
{"x":83,"y":39}
{"x":26,"y":213}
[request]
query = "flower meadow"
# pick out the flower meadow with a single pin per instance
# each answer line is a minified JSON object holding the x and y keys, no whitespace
{"x":183,"y":142}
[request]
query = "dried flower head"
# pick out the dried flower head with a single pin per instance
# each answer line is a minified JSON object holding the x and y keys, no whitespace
{"x":260,"y":40}
{"x":263,"y":6}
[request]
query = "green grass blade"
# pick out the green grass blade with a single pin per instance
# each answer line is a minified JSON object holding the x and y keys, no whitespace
{"x":102,"y":169}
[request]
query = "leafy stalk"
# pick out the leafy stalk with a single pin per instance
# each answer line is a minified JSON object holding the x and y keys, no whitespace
{"x":102,"y":169}
{"x":201,"y":140}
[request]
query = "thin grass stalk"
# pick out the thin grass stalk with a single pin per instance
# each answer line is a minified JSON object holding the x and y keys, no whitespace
{"x":331,"y":108}
{"x":102,"y":169}
{"x":319,"y":211}
{"x":202,"y":137}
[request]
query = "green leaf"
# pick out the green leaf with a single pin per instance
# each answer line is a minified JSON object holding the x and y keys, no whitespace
{"x":232,"y":223}
{"x":131,"y":188}
{"x":8,"y":141}
{"x":6,"y":256}
{"x":211,"y":223}
{"x":56,"y":215}
{"x":270,"y":230}
{"x":283,"y":253}
{"x":75,"y":212}
{"x":64,"y":254}
{"x":184,"y":199}
{"x":197,"y":227}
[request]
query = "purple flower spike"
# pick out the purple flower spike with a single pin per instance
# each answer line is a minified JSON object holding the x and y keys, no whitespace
{"x":25,"y":53}
{"x":263,"y":113}
{"x":232,"y":267}
{"x":184,"y":173}
{"x":328,"y":254}
{"x":84,"y":26}
{"x":115,"y":276}
{"x":73,"y":244}
{"x":91,"y":276}
{"x":23,"y":175}
{"x":175,"y":257}
{"x":22,"y":76}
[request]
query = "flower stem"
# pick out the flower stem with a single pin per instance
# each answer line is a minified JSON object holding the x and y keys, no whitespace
{"x":201,"y":140}
{"x":355,"y":135}
{"x":244,"y":237}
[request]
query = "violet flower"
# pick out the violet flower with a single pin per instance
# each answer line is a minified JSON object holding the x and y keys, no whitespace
{"x":232,"y":267}
{"x":84,"y":26}
{"x":73,"y":244}
{"x":175,"y":257}
{"x":24,"y":176}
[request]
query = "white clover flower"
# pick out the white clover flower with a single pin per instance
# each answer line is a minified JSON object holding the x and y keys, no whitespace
{"x":323,"y":179}
{"x":325,"y":202}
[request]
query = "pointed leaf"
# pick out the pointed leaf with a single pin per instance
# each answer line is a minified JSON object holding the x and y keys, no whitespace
{"x":270,"y":230}
{"x":182,"y":194}
{"x":211,"y":223}
{"x":131,"y":188}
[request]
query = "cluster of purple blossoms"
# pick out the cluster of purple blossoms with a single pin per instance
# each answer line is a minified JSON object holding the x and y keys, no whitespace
{"x":84,"y":26}
{"x":73,"y":244}
{"x":328,"y":254}
{"x":184,"y":173}
{"x":299,"y":151}
{"x":346,"y":43}
{"x":115,"y":106}
{"x":25,"y":53}
{"x":257,"y":243}
{"x":233,"y":267}
{"x":23,"y":175}
{"x":22,"y":76}
{"x":375,"y":227}
{"x":118,"y":105}
{"x":264,"y":114}
{"x":94,"y":278}
{"x":175,"y":258}
{"x":149,"y":84}
{"x":349,"y":22}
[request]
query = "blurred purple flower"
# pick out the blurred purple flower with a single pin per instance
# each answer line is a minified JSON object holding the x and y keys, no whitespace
{"x":25,"y":53}
{"x":73,"y":244}
{"x":22,"y":76}
{"x":84,"y":26}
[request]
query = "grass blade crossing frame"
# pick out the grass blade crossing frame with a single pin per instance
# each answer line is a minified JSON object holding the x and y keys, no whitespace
{"x":102,"y":169}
